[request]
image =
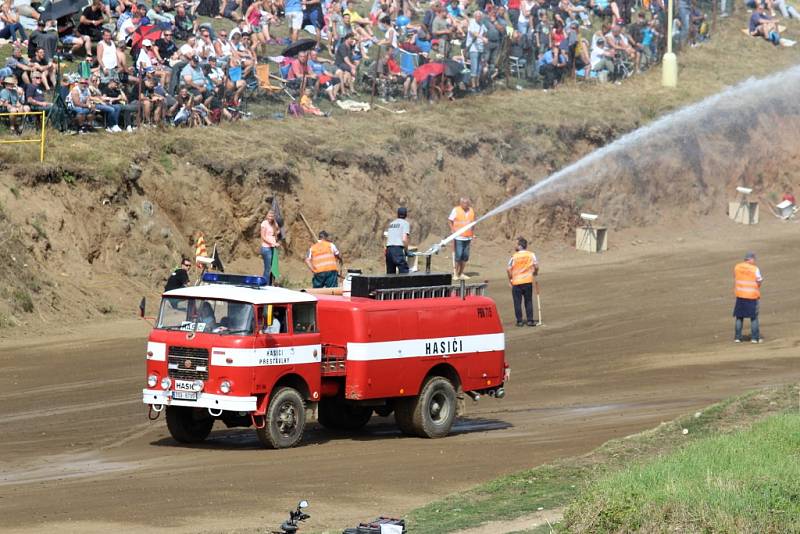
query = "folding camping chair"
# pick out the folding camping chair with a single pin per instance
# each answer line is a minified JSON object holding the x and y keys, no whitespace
{"x":265,"y":80}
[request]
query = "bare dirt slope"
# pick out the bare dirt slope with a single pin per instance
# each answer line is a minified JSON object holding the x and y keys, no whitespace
{"x":632,"y":338}
{"x":106,"y":218}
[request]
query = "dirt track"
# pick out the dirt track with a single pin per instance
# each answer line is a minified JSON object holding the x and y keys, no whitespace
{"x":632,"y":338}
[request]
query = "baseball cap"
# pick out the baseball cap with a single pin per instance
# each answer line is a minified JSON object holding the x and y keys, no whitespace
{"x":750,"y":256}
{"x":147,"y":42}
{"x":402,"y":211}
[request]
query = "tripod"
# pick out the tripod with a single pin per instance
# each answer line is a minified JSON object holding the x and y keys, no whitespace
{"x":58,"y":116}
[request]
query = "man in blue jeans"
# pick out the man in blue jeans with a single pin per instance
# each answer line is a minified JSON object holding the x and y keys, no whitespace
{"x":461,"y":216}
{"x":747,"y":288}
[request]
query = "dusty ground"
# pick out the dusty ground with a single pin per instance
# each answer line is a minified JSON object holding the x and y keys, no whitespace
{"x":632,"y":337}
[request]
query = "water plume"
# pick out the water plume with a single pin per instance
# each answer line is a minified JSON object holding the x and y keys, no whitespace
{"x":737,"y":103}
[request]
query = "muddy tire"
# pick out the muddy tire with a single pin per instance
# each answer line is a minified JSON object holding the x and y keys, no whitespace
{"x":435,"y":408}
{"x":188,"y":425}
{"x":285,"y":420}
{"x":404,"y":415}
{"x":341,"y":416}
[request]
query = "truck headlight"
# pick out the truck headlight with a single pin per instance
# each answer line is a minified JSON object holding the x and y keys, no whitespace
{"x":198,"y":385}
{"x":166,"y":383}
{"x":225,"y":386}
{"x":152,"y":381}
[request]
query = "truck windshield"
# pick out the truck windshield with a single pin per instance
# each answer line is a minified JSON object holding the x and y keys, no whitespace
{"x":206,"y":315}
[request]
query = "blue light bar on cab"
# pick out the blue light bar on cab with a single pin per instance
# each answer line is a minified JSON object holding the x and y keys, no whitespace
{"x":235,"y":279}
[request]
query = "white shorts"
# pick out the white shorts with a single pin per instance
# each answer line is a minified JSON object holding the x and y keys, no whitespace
{"x":294,"y":19}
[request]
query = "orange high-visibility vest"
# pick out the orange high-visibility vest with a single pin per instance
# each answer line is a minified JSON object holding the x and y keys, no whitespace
{"x":745,"y":281}
{"x":322,"y":257}
{"x":462,"y":219}
{"x":522,"y":267}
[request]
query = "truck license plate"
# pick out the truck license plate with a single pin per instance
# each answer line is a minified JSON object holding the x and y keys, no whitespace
{"x":184,"y":385}
{"x":184,"y":395}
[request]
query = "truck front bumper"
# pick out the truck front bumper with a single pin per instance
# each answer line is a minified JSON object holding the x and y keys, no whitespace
{"x":204,"y":400}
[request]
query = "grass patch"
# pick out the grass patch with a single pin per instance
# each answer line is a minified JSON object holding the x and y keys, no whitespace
{"x":22,"y":300}
{"x":573,"y":480}
{"x":748,"y":481}
{"x":506,"y":497}
{"x":37,"y":226}
{"x":166,"y":163}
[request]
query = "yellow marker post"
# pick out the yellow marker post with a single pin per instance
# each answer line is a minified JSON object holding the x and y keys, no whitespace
{"x":41,"y":148}
{"x":39,"y":140}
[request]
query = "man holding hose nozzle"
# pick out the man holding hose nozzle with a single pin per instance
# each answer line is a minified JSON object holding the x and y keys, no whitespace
{"x":522,"y":267}
{"x":461,"y":216}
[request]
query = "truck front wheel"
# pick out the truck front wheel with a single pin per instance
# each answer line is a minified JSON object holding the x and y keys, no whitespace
{"x":284,"y":421}
{"x":435,"y":409}
{"x":188,"y":425}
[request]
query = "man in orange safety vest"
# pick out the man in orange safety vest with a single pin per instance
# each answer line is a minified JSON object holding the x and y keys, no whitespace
{"x":323,"y":260}
{"x":747,"y":288}
{"x":461,"y":216}
{"x":522,"y":267}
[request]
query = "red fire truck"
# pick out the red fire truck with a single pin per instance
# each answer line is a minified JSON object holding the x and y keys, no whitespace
{"x":237,"y":351}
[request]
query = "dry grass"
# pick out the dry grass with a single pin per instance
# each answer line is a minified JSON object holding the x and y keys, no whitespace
{"x":729,"y":58}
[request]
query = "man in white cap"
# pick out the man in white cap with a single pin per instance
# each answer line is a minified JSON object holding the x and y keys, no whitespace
{"x":12,"y":100}
{"x":747,"y":288}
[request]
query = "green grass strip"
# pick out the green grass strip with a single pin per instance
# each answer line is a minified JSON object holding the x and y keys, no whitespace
{"x":748,"y":481}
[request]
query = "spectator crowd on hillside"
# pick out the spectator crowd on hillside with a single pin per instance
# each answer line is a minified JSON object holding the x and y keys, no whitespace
{"x":131,"y":63}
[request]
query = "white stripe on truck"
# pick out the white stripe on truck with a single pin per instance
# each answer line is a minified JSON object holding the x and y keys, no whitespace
{"x":417,"y":348}
{"x":227,"y":357}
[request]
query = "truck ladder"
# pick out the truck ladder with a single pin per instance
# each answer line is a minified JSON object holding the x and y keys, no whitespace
{"x":334,"y":360}
{"x":462,"y":291}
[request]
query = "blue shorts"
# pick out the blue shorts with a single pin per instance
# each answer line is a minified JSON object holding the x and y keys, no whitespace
{"x":81,"y":111}
{"x":462,"y":249}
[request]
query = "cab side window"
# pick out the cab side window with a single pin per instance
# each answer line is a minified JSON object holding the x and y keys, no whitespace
{"x":280,"y":324}
{"x":304,"y":316}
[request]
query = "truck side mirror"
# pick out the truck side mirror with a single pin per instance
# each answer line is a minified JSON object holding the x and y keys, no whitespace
{"x":142,"y":305}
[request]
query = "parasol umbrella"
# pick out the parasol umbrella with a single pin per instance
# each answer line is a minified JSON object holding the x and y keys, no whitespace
{"x":296,"y":47}
{"x":141,"y":33}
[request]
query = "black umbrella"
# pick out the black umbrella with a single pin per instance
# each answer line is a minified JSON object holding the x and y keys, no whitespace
{"x":296,"y":47}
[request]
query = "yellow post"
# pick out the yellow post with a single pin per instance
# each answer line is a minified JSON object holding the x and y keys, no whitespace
{"x":669,"y":63}
{"x":41,"y":148}
{"x":39,"y":140}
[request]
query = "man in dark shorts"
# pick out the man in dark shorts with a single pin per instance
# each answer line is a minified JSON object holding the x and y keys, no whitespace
{"x":397,"y":243}
{"x":747,"y":288}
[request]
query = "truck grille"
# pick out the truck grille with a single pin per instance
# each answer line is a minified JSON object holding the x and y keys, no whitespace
{"x":188,"y":363}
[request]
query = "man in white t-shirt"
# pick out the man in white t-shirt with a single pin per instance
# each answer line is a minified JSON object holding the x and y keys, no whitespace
{"x":397,"y":243}
{"x":602,"y":58}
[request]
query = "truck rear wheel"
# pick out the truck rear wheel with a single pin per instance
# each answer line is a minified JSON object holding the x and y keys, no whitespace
{"x":188,"y":425}
{"x":435,"y":408}
{"x":285,"y":420}
{"x":342,"y":416}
